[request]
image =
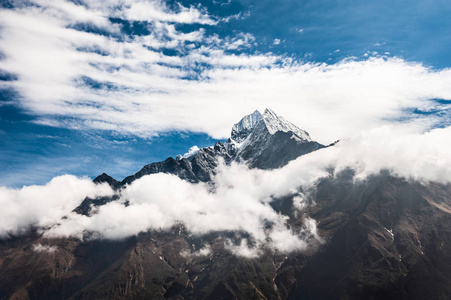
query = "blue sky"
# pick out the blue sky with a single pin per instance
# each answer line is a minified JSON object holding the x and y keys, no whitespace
{"x":107,"y":86}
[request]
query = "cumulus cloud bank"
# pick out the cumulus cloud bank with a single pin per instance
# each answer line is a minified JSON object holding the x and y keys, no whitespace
{"x":105,"y":79}
{"x":44,"y":206}
{"x":238,"y":200}
{"x":241,"y":196}
{"x":400,"y":150}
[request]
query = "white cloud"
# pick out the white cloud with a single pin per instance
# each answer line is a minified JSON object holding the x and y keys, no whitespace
{"x":151,"y":92}
{"x":204,"y":251}
{"x":157,"y":11}
{"x":404,"y":152}
{"x":240,"y":202}
{"x":238,"y":199}
{"x":133,"y":10}
{"x":401,"y":150}
{"x":242,"y":249}
{"x":44,"y":205}
{"x":276,"y":42}
{"x":238,"y":16}
{"x":73,"y":13}
{"x":238,"y":42}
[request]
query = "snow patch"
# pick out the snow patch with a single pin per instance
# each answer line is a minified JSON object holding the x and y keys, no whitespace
{"x":44,"y":248}
{"x":391,"y":233}
{"x":191,"y":152}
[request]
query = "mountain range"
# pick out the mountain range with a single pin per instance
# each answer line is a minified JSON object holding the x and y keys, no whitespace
{"x":384,"y":237}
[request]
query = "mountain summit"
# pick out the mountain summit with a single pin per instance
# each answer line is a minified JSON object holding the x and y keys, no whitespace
{"x":269,"y":121}
{"x":242,"y":129}
{"x":268,"y":141}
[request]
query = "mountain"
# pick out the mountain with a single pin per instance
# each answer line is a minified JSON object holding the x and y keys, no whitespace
{"x":384,"y":237}
{"x":267,"y":141}
{"x":388,"y":239}
{"x":264,"y":141}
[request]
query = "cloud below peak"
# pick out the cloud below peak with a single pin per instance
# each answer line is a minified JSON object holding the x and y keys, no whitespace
{"x":238,"y":200}
{"x":44,"y":206}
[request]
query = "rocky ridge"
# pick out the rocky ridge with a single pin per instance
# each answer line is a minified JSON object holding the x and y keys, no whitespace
{"x":264,"y":141}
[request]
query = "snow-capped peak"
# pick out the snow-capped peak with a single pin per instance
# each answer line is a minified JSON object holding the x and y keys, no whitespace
{"x":243,"y":128}
{"x":192,"y":151}
{"x":276,"y":123}
{"x":271,"y":121}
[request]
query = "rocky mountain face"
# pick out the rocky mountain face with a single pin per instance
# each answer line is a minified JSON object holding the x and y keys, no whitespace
{"x":264,"y":141}
{"x":382,"y":238}
{"x":267,"y":141}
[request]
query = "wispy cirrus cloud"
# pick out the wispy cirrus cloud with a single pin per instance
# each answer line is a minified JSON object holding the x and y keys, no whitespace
{"x":103,"y":78}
